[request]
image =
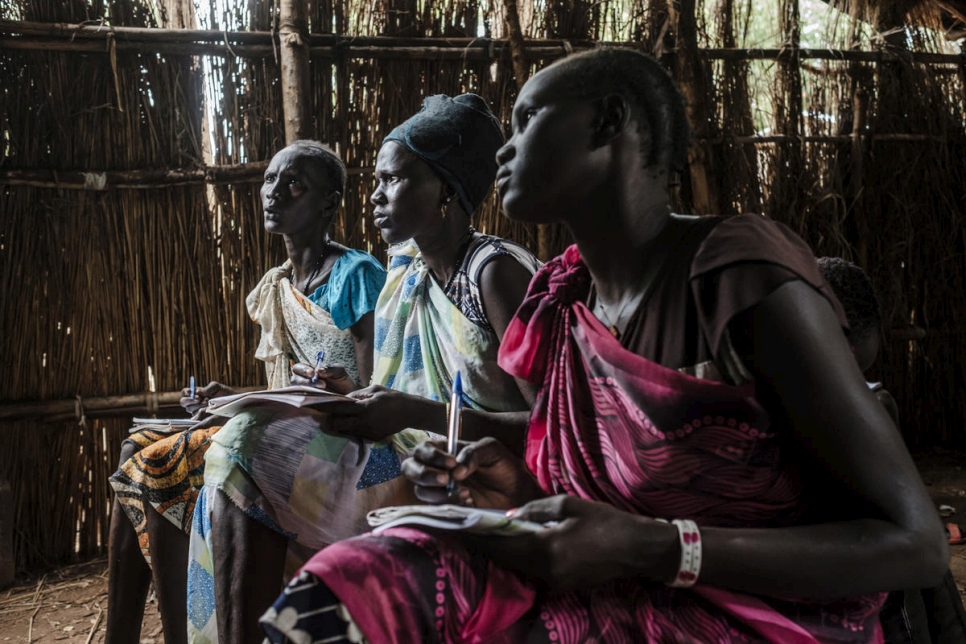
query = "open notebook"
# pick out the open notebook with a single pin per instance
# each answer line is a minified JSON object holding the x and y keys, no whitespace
{"x":451,"y":517}
{"x":169,"y":425}
{"x":295,"y":396}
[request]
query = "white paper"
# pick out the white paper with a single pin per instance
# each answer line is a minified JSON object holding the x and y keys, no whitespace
{"x":164,"y":425}
{"x":451,"y":517}
{"x":295,"y":396}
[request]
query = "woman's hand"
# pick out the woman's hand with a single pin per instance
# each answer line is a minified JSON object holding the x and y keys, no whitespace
{"x":591,"y":544}
{"x":486,"y":475}
{"x":196,"y":406}
{"x":376,"y":413}
{"x":329,"y":377}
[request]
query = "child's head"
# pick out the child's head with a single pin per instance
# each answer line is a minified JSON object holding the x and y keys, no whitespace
{"x":854,"y":290}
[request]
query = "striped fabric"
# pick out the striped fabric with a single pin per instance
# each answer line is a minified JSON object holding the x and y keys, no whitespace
{"x":613,"y":427}
{"x":424,"y":335}
{"x":164,"y":476}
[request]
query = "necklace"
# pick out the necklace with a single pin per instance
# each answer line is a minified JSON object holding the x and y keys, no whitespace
{"x":315,"y":271}
{"x":667,"y":240}
{"x":614,"y":325}
{"x":464,"y":246}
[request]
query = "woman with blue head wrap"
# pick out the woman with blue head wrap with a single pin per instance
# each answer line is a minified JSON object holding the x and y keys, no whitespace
{"x":293,"y":489}
{"x":458,"y":139}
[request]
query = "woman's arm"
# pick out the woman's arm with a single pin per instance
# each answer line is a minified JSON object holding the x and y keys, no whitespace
{"x":806,"y":373}
{"x":362,"y":338}
{"x":503,"y":285}
{"x":846,"y":445}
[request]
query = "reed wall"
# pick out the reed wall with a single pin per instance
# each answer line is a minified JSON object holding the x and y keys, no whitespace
{"x":133,"y":285}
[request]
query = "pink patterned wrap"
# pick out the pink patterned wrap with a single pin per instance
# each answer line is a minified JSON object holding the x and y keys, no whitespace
{"x":614,"y":427}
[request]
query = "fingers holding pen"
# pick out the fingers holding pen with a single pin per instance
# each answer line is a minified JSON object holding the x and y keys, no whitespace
{"x":431,"y":469}
{"x":195,"y":399}
{"x":330,"y":377}
{"x":307,"y":375}
{"x":460,"y":466}
{"x":302,"y":374}
{"x":429,"y":464}
{"x":192,"y":405}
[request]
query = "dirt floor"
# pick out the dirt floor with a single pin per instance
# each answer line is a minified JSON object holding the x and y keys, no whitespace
{"x":68,"y":604}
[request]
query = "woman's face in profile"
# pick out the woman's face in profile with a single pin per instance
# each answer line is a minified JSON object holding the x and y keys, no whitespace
{"x":294,"y":193}
{"x":408,"y":195}
{"x":544,"y":167}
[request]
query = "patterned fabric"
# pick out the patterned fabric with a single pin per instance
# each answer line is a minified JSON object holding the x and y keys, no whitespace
{"x":305,"y":607}
{"x":464,"y":287}
{"x":167,"y":473}
{"x":280,"y":469}
{"x":168,"y":470}
{"x":355,"y":283}
{"x":295,"y":328}
{"x":423,"y":338}
{"x":614,"y":427}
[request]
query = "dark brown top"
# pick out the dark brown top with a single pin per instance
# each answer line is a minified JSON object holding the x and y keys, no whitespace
{"x":717,"y":269}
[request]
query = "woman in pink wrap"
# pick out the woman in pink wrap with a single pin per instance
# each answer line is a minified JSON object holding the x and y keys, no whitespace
{"x":706,"y":453}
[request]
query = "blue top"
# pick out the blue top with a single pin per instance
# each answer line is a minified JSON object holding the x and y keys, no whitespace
{"x":353,"y":286}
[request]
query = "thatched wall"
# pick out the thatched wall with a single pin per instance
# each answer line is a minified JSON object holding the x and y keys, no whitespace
{"x":101,"y":286}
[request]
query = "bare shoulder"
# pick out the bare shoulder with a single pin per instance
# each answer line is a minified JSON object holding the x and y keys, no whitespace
{"x":503,"y":285}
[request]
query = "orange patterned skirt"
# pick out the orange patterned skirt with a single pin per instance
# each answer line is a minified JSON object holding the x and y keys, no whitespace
{"x":164,"y":476}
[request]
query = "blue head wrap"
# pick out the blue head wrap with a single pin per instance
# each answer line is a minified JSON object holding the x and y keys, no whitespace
{"x":458,"y":138}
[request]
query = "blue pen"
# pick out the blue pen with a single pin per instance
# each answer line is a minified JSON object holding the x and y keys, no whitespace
{"x":455,"y":423}
{"x":319,"y":357}
{"x":191,"y":387}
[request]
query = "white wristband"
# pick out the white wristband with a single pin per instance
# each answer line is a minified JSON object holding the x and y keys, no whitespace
{"x":690,"y":566}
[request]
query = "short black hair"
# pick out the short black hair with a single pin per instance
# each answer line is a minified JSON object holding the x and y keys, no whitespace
{"x":331,"y":163}
{"x":642,"y":81}
{"x":856,"y":293}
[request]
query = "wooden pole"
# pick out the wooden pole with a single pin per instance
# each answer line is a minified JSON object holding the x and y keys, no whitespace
{"x":147,"y":178}
{"x":91,"y":407}
{"x":860,"y":109}
{"x":694,"y":87}
{"x":331,"y":52}
{"x":518,"y":46}
{"x":31,"y":36}
{"x":140,"y":179}
{"x":294,"y":54}
{"x":67,"y":32}
{"x":96,"y":407}
{"x":7,"y":561}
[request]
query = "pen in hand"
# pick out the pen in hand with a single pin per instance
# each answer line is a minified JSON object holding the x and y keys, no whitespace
{"x":319,"y":357}
{"x":455,"y":424}
{"x":191,"y":387}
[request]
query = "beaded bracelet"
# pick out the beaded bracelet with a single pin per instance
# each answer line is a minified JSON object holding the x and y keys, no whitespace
{"x":690,"y":566}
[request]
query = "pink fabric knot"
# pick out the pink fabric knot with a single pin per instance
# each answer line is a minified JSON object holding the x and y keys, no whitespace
{"x":568,"y":279}
{"x":569,"y":286}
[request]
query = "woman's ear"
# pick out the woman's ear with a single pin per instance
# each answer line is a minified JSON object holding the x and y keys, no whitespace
{"x":447,"y":195}
{"x":332,"y":201}
{"x":612,"y":118}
